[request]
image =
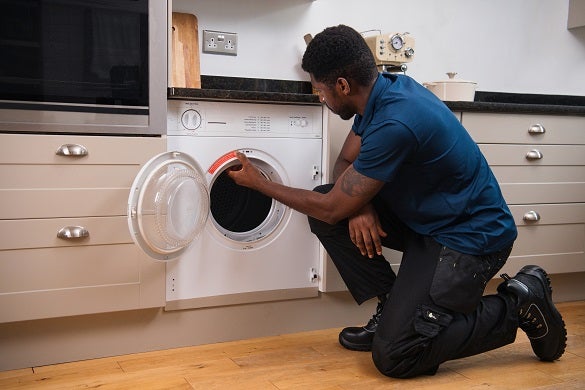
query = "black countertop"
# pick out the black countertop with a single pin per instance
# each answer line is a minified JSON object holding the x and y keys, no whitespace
{"x":239,"y":89}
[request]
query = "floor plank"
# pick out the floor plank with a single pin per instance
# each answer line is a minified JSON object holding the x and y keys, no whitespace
{"x":310,"y":360}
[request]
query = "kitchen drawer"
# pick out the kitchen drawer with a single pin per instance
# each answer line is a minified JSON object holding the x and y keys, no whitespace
{"x":29,"y":176}
{"x":548,"y":214}
{"x":558,"y":263}
{"x":497,"y":154}
{"x":556,"y":241}
{"x":527,"y":193}
{"x":556,"y":248}
{"x":36,"y":183}
{"x":42,"y":233}
{"x":539,"y":174}
{"x":56,"y":282}
{"x":514,"y":128}
{"x":68,"y":267}
{"x":40,"y":149}
{"x":63,"y":203}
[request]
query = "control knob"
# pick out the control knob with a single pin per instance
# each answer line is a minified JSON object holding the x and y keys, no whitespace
{"x":191,"y":119}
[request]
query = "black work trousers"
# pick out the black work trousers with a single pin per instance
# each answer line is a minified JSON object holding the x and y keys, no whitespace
{"x":436,"y":310}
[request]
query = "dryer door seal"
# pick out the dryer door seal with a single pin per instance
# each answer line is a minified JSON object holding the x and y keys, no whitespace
{"x":168,"y":205}
{"x":243,"y":218}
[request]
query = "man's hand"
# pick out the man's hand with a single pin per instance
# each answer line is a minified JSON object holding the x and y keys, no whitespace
{"x":365,"y":231}
{"x":245,"y":174}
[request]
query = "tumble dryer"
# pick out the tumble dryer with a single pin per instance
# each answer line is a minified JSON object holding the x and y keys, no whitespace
{"x":226,"y":244}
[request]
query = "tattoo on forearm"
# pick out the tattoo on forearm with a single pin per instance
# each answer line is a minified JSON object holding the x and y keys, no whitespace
{"x":355,"y":184}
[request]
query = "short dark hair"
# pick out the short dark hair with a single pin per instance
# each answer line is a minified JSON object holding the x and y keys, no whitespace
{"x":339,"y":51}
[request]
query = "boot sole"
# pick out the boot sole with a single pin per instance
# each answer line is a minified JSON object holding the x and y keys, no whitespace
{"x":354,"y":347}
{"x":544,"y":279}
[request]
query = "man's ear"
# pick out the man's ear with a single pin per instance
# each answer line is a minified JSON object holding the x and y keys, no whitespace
{"x":343,"y":85}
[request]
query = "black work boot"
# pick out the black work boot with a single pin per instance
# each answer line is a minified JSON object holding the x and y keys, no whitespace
{"x":360,"y":338}
{"x":537,"y":315}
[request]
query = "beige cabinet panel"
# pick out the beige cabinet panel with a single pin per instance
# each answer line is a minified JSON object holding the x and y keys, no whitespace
{"x":514,"y":128}
{"x":558,"y":263}
{"x":55,"y":282}
{"x":68,"y":267}
{"x":546,"y":240}
{"x":63,"y":203}
{"x":497,"y":154}
{"x":539,"y":161}
{"x":42,"y":233}
{"x":41,"y":149}
{"x":61,"y":303}
{"x":539,"y":174}
{"x":543,"y":192}
{"x":29,"y":176}
{"x":549,"y":214}
{"x":556,"y":241}
{"x":43,"y":276}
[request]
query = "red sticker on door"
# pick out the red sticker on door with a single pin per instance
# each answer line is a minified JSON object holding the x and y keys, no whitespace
{"x":220,"y":161}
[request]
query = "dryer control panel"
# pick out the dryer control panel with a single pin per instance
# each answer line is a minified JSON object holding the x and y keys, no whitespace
{"x":212,"y":119}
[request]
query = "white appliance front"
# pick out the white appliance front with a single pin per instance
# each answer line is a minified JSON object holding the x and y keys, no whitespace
{"x":251,"y":247}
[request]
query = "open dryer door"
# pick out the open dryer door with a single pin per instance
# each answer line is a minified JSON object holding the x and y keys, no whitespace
{"x":168,"y":205}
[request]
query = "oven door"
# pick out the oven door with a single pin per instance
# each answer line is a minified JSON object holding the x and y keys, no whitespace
{"x":83,"y":66}
{"x":168,"y":205}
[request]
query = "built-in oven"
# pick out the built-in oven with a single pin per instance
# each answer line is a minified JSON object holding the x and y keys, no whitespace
{"x":83,"y":66}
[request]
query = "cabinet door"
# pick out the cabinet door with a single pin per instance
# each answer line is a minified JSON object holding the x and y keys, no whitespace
{"x":550,"y":235}
{"x":79,"y":183}
{"x":525,"y":128}
{"x":538,"y":173}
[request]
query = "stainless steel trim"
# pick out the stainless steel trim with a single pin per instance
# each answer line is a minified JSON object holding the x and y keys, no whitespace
{"x":534,"y":154}
{"x":531,"y":216}
{"x":58,"y":104}
{"x":74,"y":150}
{"x":72,"y":232}
{"x":536,"y":129}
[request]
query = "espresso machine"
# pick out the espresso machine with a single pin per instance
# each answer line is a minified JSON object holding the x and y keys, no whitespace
{"x":391,"y":51}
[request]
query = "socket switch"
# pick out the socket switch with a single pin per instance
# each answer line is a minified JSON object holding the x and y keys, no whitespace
{"x":219,"y":42}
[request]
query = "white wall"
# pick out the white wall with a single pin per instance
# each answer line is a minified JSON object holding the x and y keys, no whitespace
{"x":505,"y":45}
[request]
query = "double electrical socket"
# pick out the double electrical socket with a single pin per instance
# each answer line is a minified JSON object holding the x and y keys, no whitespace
{"x":219,"y":42}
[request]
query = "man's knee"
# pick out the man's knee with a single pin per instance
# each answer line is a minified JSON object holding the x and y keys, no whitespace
{"x":389,"y":365}
{"x":412,"y":356}
{"x":402,"y":368}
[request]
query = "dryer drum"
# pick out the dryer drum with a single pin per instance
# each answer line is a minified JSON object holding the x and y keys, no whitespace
{"x":236,"y":208}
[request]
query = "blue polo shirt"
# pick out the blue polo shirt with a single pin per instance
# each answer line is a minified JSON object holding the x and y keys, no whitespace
{"x":437,"y":180}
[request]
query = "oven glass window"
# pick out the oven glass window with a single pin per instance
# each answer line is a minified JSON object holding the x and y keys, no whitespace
{"x":74,"y":51}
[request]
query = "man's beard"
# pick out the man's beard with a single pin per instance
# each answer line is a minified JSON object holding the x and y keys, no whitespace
{"x":346,"y":115}
{"x":343,"y":113}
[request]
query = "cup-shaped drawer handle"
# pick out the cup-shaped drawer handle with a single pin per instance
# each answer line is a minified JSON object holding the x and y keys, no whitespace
{"x":534,"y":154}
{"x":72,"y":232}
{"x":536,"y":129}
{"x":531,"y":216}
{"x":75,"y":150}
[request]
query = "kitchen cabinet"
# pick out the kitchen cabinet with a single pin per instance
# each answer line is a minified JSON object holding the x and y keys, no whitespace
{"x":576,"y":16}
{"x":92,"y":266}
{"x":539,"y":161}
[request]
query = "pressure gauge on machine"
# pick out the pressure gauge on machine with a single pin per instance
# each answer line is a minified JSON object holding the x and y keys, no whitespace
{"x":397,"y":42}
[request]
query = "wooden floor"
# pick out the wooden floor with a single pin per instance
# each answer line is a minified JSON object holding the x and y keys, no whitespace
{"x":310,"y":360}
